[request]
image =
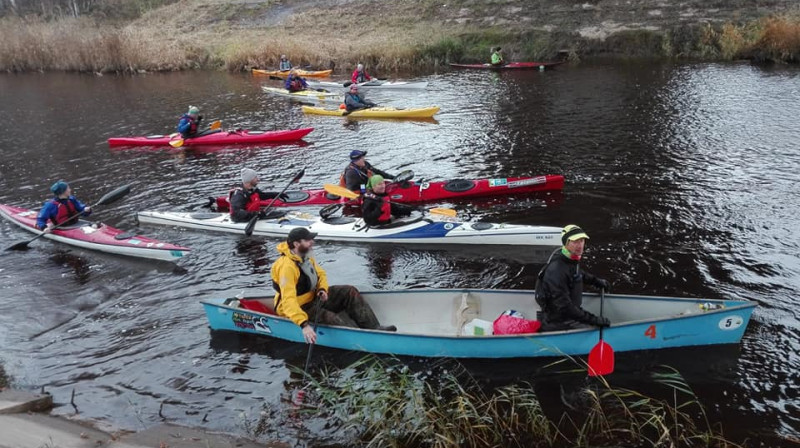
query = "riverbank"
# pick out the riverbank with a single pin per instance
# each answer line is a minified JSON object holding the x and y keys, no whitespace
{"x":414,"y":36}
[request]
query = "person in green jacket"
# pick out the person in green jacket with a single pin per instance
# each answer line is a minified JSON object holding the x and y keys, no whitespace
{"x":497,"y":56}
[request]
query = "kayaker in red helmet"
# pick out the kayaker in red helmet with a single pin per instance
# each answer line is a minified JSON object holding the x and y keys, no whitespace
{"x":295,"y":83}
{"x":303,"y":294}
{"x":245,"y":199}
{"x":190,"y":122}
{"x":559,"y":286}
{"x":376,"y":209}
{"x":360,"y":75}
{"x":497,"y":57}
{"x":359,"y":171}
{"x":62,"y":209}
{"x":355,"y":101}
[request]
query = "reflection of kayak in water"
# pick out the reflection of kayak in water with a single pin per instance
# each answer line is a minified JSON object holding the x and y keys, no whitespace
{"x":376,"y":112}
{"x":411,"y":230}
{"x":509,"y":66}
{"x":672,"y":322}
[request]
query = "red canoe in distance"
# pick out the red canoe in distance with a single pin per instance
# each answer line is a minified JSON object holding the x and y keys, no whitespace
{"x":219,"y":138}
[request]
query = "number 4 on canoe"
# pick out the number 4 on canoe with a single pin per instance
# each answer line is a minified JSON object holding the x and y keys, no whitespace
{"x":344,"y":192}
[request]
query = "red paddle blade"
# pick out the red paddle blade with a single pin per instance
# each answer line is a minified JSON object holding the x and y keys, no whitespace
{"x":601,"y":359}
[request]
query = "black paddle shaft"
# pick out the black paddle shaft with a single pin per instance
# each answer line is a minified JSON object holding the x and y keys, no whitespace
{"x":248,"y":229}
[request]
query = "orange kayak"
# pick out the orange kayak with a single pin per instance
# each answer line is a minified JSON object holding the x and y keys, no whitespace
{"x":285,"y":73}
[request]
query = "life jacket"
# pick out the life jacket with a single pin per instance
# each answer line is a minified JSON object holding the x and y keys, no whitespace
{"x":253,"y":201}
{"x":343,"y":177}
{"x":296,"y":85}
{"x":386,"y":208}
{"x":360,"y":76}
{"x":64,"y":211}
{"x":303,"y":285}
{"x":192,"y":125}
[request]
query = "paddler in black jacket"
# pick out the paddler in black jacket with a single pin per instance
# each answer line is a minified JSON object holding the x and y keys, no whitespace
{"x":359,"y":171}
{"x":376,"y":208}
{"x":245,"y":199}
{"x":559,"y":287}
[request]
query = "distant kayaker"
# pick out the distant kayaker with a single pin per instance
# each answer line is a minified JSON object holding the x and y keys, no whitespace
{"x":190,"y":122}
{"x":497,"y":56}
{"x":245,"y":199}
{"x":559,"y":286}
{"x":295,"y":83}
{"x":359,"y":171}
{"x":303,"y":294}
{"x":62,"y":209}
{"x":355,"y":101}
{"x":360,"y":75}
{"x":285,"y":64}
{"x":376,"y":208}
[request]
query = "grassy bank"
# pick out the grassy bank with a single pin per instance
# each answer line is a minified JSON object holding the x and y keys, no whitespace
{"x":239,"y":36}
{"x":379,"y":403}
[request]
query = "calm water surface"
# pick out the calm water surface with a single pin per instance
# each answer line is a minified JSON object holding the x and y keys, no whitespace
{"x":685,"y":176}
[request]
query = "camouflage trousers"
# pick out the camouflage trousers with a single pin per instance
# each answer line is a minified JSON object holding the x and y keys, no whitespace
{"x":345,"y":307}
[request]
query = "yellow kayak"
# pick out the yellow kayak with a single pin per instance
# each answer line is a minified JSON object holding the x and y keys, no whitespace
{"x":285,"y":73}
{"x":376,"y":112}
{"x":303,"y":94}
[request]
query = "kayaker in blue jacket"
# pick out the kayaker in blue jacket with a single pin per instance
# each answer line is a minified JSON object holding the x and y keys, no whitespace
{"x":354,"y":101}
{"x":295,"y":83}
{"x":62,"y":209}
{"x":559,"y":286}
{"x":285,"y":64}
{"x":190,"y":122}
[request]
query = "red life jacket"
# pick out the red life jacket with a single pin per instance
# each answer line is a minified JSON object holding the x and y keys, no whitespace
{"x":386,"y":211}
{"x":253,"y":202}
{"x":192,"y":125}
{"x":65,"y":211}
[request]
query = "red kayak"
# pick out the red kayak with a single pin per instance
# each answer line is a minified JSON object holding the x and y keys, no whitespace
{"x":97,"y":236}
{"x":411,"y":192}
{"x":509,"y":66}
{"x":237,"y":137}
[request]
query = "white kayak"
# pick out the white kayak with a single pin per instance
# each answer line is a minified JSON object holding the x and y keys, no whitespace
{"x":411,"y":230}
{"x":303,"y":95}
{"x":375,"y":84}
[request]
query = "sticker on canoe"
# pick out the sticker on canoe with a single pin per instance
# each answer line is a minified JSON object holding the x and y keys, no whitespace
{"x":448,"y":226}
{"x":526,"y":182}
{"x":730,"y":322}
{"x":498,"y":182}
{"x":134,"y":241}
{"x":424,"y":186}
{"x":250,"y":322}
{"x":176,"y":253}
{"x":262,"y":325}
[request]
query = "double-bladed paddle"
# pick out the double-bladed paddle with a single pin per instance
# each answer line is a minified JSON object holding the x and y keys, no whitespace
{"x":344,"y":192}
{"x":177,"y":143}
{"x":248,"y":230}
{"x":107,"y":199}
{"x":601,"y":358}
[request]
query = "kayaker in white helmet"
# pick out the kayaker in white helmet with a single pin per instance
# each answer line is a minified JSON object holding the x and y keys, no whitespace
{"x":360,"y":75}
{"x":358,"y":172}
{"x":303,"y":294}
{"x":559,"y":286}
{"x":284,"y":64}
{"x":497,"y":56}
{"x":64,"y":208}
{"x":245,"y":199}
{"x":353,"y":100}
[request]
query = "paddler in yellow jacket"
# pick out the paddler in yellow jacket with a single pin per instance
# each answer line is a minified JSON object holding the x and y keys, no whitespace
{"x":303,"y":294}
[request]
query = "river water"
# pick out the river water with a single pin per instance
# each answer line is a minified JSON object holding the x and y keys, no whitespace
{"x":685,"y":176}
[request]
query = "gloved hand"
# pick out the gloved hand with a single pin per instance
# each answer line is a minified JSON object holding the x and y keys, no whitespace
{"x":87,"y":209}
{"x":603,"y":284}
{"x":598,"y":321}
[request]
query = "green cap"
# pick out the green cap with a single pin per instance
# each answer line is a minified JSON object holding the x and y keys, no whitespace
{"x":374,"y":180}
{"x":194,"y":110}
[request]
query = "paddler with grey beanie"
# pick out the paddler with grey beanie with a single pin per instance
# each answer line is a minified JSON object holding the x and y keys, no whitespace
{"x":559,"y":286}
{"x":303,"y":295}
{"x":245,"y":199}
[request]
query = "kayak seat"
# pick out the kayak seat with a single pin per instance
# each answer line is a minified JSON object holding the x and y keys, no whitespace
{"x":459,"y":185}
{"x":332,"y":197}
{"x":124,"y":236}
{"x":204,"y":215}
{"x":295,"y":196}
{"x":481,"y":225}
{"x":339,"y":220}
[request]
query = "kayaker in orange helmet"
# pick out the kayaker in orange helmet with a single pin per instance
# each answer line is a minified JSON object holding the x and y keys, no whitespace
{"x":295,"y":83}
{"x":497,"y":56}
{"x":245,"y":199}
{"x":376,"y":208}
{"x":360,"y":75}
{"x":358,"y":172}
{"x":284,"y":64}
{"x":303,"y":294}
{"x":190,"y":122}
{"x":355,"y":101}
{"x":62,"y":209}
{"x":559,"y":286}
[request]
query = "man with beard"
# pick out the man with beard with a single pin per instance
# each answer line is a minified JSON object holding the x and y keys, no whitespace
{"x":303,"y":294}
